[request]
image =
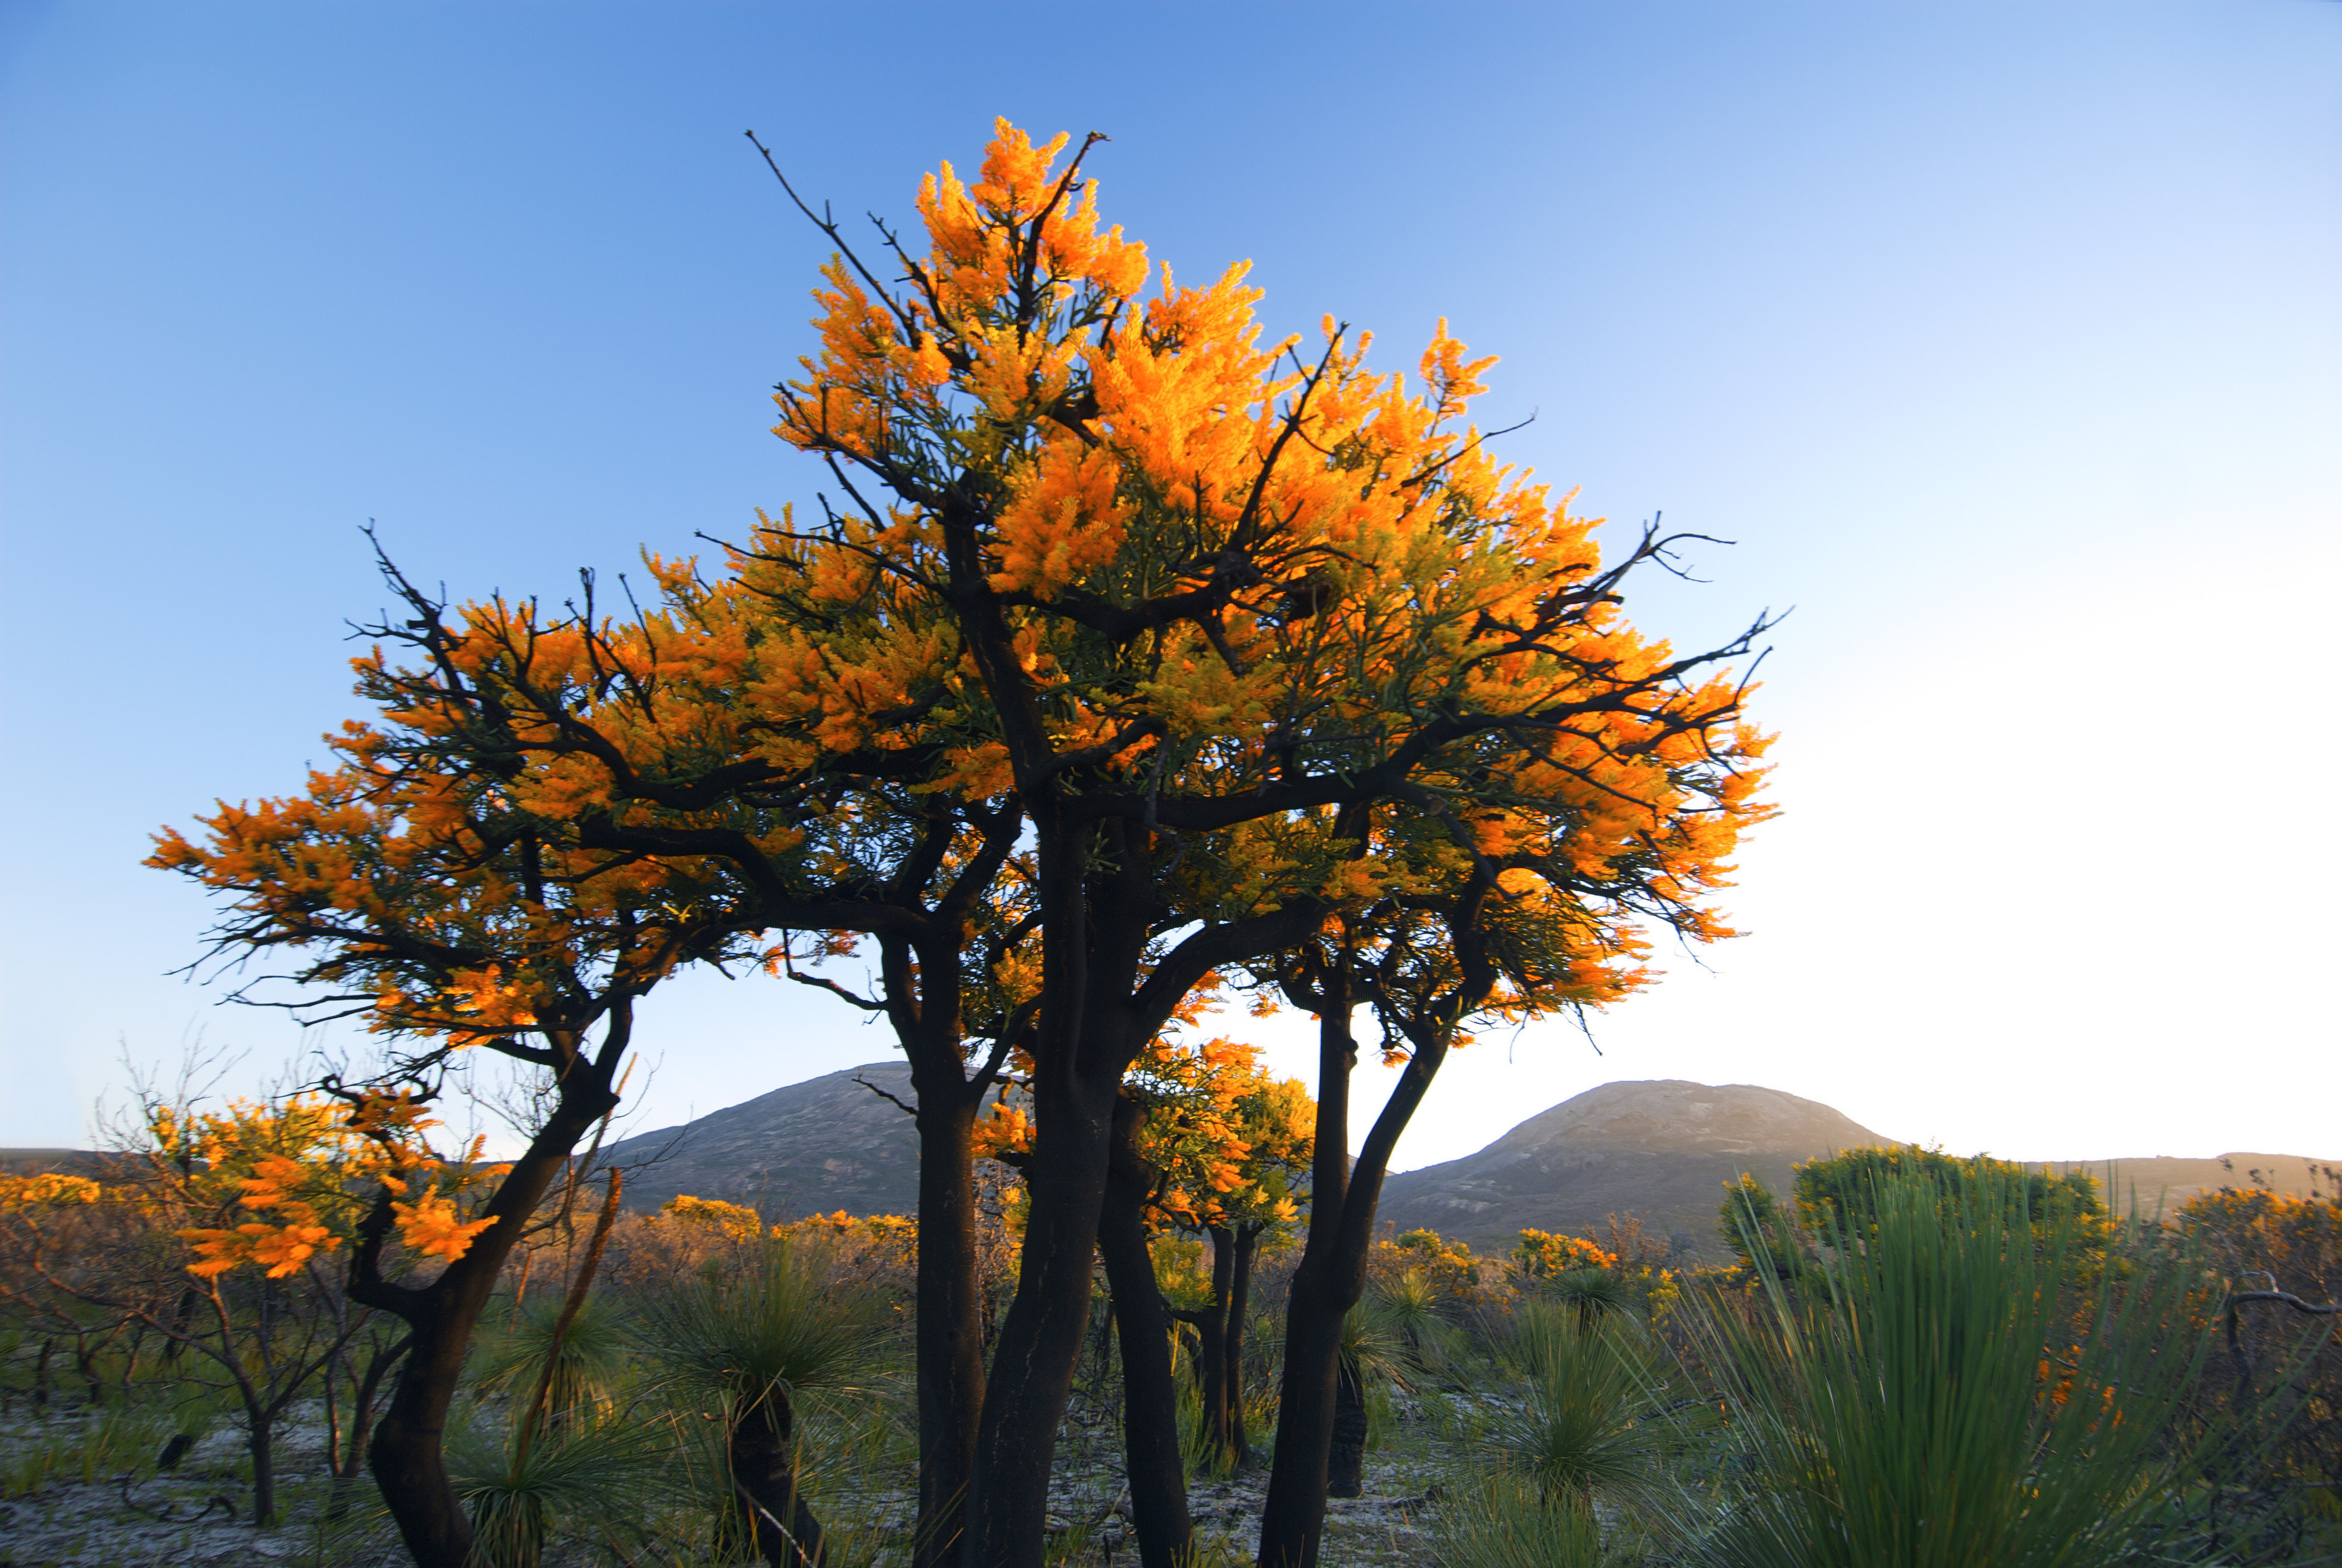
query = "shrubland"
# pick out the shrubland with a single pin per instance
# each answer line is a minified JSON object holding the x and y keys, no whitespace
{"x":702,"y":1386}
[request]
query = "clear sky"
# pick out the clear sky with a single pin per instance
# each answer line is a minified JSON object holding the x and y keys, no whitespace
{"x":2006,"y":341}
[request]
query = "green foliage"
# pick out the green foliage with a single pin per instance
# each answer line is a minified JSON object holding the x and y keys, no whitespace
{"x":776,"y":1333}
{"x":1181,"y":1271}
{"x":772,"y":1328}
{"x":1764,"y":1237}
{"x":1839,"y":1194}
{"x":1508,"y":1525}
{"x":1588,"y":1416}
{"x":1404,"y":1316}
{"x":1373,"y":1347}
{"x":594,"y":1479}
{"x":91,"y":1446}
{"x":1959,"y":1396}
{"x":1592,"y":1294}
{"x":591,"y":1361}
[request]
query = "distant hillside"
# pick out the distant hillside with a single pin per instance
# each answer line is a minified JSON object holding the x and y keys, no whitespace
{"x":1661,"y":1150}
{"x":813,"y":1147}
{"x":2162,"y":1184}
{"x":34,"y":1162}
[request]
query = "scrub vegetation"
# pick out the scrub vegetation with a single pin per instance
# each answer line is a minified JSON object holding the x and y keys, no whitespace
{"x":698,"y":1386}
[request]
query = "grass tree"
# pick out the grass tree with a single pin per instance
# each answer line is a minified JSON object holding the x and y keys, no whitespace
{"x":1589,"y":1418}
{"x":1968,"y":1382}
{"x":758,"y":1343}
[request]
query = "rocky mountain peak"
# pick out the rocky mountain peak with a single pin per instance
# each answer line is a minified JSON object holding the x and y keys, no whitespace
{"x":1673,"y":1115}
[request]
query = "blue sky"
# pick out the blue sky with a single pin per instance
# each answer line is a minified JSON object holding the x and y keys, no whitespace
{"x":2006,"y":341}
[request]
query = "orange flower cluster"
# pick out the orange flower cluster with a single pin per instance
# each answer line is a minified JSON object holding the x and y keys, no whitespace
{"x":893,"y":1229}
{"x":1395,"y":571}
{"x":289,"y":1168}
{"x":1003,"y":1129}
{"x":1541,"y":1255}
{"x":300,"y":1170}
{"x":732,"y":1221}
{"x":393,"y":871}
{"x":1250,"y":585}
{"x":48,"y":1189}
{"x":1231,"y":1142}
{"x":397,"y":1157}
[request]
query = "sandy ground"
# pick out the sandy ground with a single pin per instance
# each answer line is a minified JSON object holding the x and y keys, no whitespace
{"x":179,"y":1520}
{"x":130,"y":1516}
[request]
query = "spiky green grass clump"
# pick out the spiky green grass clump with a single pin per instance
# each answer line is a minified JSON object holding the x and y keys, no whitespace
{"x":1953,"y":1390}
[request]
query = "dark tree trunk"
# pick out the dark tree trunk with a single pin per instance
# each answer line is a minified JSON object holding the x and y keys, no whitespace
{"x":86,"y":1363}
{"x":333,"y":1420}
{"x":1041,"y":1334}
{"x":1331,"y":1278}
{"x":949,"y":1327}
{"x":405,"y":1454}
{"x":1076,"y":1078}
{"x":1216,"y":1379}
{"x":130,"y":1363}
{"x":182,"y":1315}
{"x":1105,"y":994}
{"x":1219,"y":1333}
{"x":922,"y":982}
{"x":354,"y":1455}
{"x":259,"y":1441}
{"x":1346,"y":1461}
{"x":1247,"y":1249}
{"x":1295,"y":1513}
{"x":761,"y":1450}
{"x":407,"y":1458}
{"x":1219,"y":1409}
{"x":1150,"y":1409}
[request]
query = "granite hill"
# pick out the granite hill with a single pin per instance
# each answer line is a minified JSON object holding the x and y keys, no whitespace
{"x":829,"y":1142}
{"x":1661,"y":1150}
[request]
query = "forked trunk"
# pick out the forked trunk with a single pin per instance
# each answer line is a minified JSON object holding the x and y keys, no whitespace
{"x":1041,"y":1334}
{"x":1150,"y":1412}
{"x":1105,"y":994}
{"x":1333,"y":1272}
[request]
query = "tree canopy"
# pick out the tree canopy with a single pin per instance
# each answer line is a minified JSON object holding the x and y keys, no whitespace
{"x":1126,"y":649}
